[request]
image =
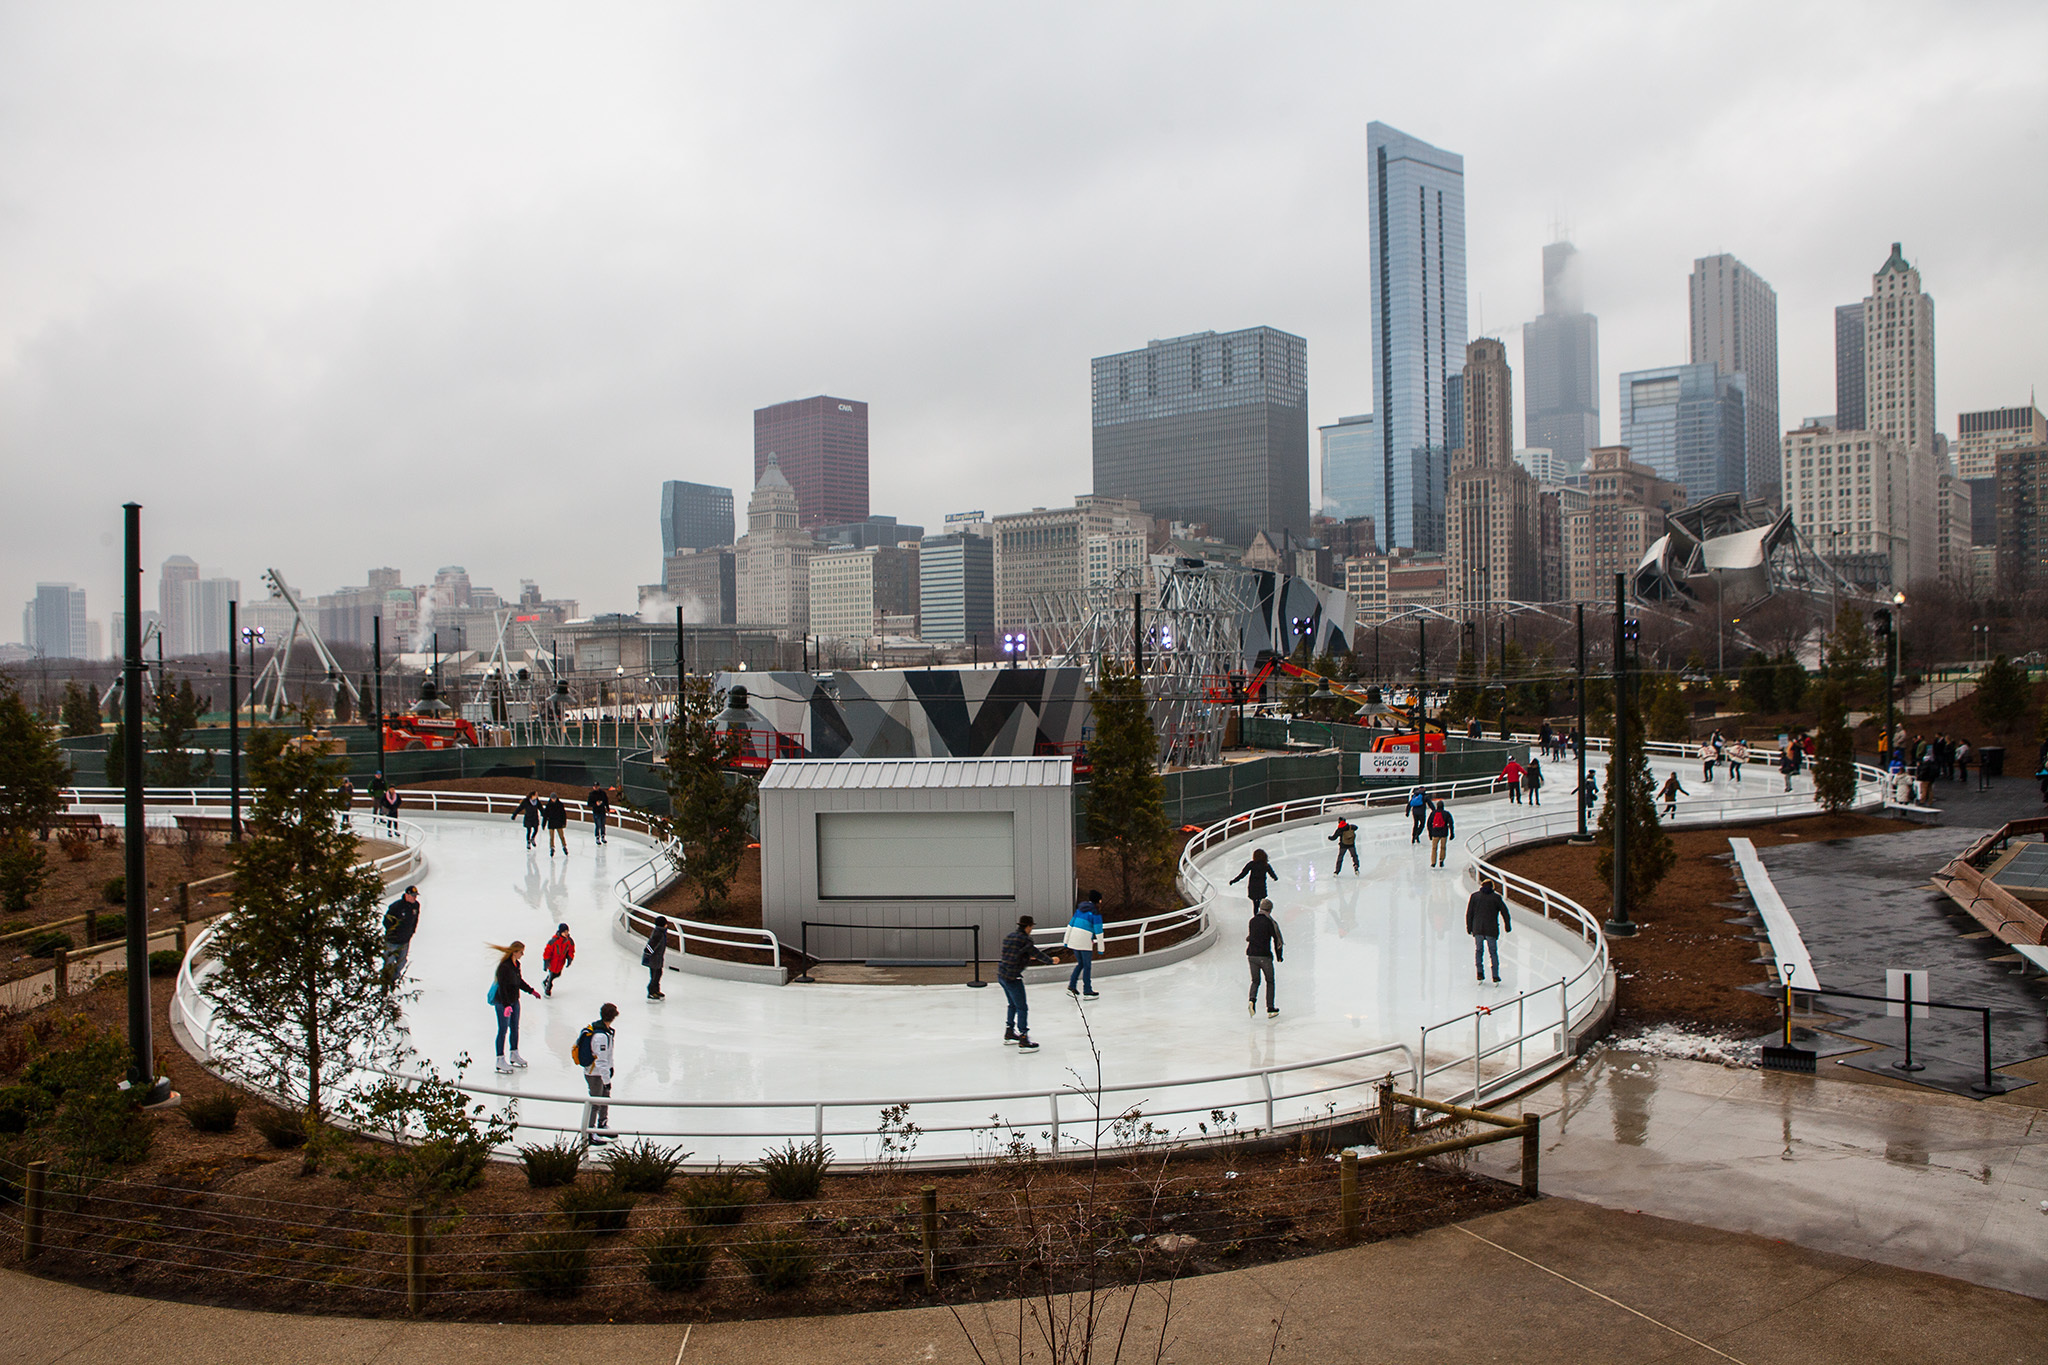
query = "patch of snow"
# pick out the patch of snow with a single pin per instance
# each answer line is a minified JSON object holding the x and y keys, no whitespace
{"x":1362,"y":1149}
{"x":1683,"y":1044}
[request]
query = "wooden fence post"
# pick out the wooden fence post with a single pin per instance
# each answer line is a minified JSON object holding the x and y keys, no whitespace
{"x":415,"y":1258}
{"x":1347,"y":1197}
{"x":32,"y":1209}
{"x":931,"y":1236}
{"x":61,"y":966}
{"x":1532,"y":1147}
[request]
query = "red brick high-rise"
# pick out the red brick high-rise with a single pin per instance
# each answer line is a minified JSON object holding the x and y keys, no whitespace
{"x":821,"y":445}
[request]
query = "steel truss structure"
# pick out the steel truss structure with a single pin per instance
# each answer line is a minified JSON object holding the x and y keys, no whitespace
{"x":275,"y":668}
{"x":1183,"y":622}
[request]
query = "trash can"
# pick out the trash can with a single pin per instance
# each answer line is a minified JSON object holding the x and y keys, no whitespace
{"x":1993,"y":759}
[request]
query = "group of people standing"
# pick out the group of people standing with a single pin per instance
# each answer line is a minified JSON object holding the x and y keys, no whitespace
{"x":552,"y":815}
{"x":1921,"y":762}
{"x":1523,"y":779}
{"x":1556,"y":744}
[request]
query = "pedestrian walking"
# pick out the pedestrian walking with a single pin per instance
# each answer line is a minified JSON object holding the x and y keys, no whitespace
{"x":505,"y":989}
{"x":1442,"y":829}
{"x":556,"y":955}
{"x":1486,"y":919}
{"x":554,"y":816}
{"x":1532,"y":781}
{"x":401,"y":921}
{"x":1264,"y":945}
{"x":1018,"y":953}
{"x":1669,"y":795}
{"x":1738,"y":754}
{"x":595,"y":1048}
{"x":599,"y":804}
{"x":1345,"y":837}
{"x":1418,"y":811}
{"x":528,"y":810}
{"x":1255,"y":874}
{"x":1084,"y":940}
{"x":1512,"y":775}
{"x":654,"y":957}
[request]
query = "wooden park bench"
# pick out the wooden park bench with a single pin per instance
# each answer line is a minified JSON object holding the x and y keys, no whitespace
{"x":74,"y":822}
{"x":205,"y":824}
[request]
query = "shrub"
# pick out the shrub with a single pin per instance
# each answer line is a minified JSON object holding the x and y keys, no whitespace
{"x":283,"y":1129}
{"x":215,"y":1113}
{"x":781,"y":1259}
{"x":13,"y":926}
{"x":115,"y":891}
{"x":88,"y":1111}
{"x":165,"y":962}
{"x":595,"y":1208}
{"x":439,"y":1140}
{"x":555,"y":1265}
{"x":718,"y":1198}
{"x":22,"y":1107}
{"x":552,"y":1165}
{"x":795,"y":1171}
{"x":49,"y":944}
{"x":76,"y":843}
{"x":643,"y":1167}
{"x":678,"y":1260}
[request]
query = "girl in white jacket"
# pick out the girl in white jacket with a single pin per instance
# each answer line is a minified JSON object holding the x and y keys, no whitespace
{"x":1084,"y":938}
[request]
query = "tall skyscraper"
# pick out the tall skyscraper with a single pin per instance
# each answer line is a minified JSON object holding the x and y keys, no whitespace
{"x":177,"y":571}
{"x":1898,"y":387}
{"x":1735,"y":329}
{"x":1490,"y":528}
{"x":1209,"y":428}
{"x":821,"y":445}
{"x":54,"y":624}
{"x":1981,"y":435}
{"x":956,"y":590}
{"x":1687,"y":422}
{"x":1561,"y":365}
{"x":694,"y":516}
{"x":1849,"y":492}
{"x":206,"y":614}
{"x":1621,"y":517}
{"x":1849,"y":410}
{"x":1416,"y":203}
{"x":1354,"y":468}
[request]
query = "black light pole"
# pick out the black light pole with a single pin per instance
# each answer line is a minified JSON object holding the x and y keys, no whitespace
{"x":142,"y":1049}
{"x":1138,"y":633}
{"x":234,"y":739}
{"x":1503,"y":676}
{"x":1422,"y":699}
{"x":1579,"y":743}
{"x":377,"y":685}
{"x":1618,"y":924}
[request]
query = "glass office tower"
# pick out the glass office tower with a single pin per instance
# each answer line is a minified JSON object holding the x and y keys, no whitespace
{"x":1354,"y":469}
{"x":1687,"y":423}
{"x":1417,"y":208}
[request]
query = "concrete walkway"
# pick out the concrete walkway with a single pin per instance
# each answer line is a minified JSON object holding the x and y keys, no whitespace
{"x":1892,"y":1173}
{"x":1552,"y":1281}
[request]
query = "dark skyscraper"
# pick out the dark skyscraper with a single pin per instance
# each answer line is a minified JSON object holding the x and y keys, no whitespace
{"x":1735,"y":329}
{"x":1209,"y":428}
{"x":821,"y":445}
{"x":1561,"y":365}
{"x":694,"y":516}
{"x":1849,"y":377}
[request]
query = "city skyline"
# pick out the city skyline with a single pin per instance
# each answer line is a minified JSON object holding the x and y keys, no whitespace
{"x":568,"y":331}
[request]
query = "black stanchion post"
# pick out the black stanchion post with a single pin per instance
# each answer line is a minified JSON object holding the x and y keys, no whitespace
{"x":1990,"y":1085}
{"x":1908,"y":1064}
{"x":804,"y":941}
{"x":977,"y":960}
{"x":1582,"y":837}
{"x":234,"y":739}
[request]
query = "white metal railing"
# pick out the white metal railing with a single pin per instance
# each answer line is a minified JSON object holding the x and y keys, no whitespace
{"x":656,"y":875}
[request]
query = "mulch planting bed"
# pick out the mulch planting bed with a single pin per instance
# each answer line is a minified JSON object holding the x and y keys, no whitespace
{"x":77,"y":881}
{"x":1688,"y":965}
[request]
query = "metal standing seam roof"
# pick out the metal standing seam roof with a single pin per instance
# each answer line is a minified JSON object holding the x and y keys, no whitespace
{"x":813,"y":774}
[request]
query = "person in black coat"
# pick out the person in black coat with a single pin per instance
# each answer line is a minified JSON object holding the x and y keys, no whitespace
{"x":599,"y":804}
{"x":505,"y":988}
{"x":1259,"y":871}
{"x":555,"y":816}
{"x":1264,"y":945}
{"x":655,"y":955}
{"x":529,"y":811}
{"x":1486,"y":919}
{"x":401,"y":921}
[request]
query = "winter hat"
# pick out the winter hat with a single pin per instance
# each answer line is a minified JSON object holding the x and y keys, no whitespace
{"x":562,"y":928}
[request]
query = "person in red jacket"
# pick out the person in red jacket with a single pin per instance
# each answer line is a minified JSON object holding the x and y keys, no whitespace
{"x":556,"y":957}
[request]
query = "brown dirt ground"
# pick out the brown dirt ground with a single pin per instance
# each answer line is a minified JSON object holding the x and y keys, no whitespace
{"x":75,"y":886}
{"x":223,"y":1218}
{"x":1688,"y":964}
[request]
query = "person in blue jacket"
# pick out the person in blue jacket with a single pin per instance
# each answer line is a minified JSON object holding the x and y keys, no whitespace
{"x":1418,"y":811}
{"x":1084,"y":938}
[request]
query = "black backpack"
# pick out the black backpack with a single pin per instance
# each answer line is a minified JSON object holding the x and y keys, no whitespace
{"x":581,"y":1053}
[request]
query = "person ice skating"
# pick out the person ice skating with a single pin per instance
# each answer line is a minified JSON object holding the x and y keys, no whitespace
{"x":1588,"y":793}
{"x":1512,"y":775}
{"x":1738,"y":754}
{"x":554,"y":816}
{"x":1418,"y":811}
{"x":401,"y":921}
{"x":391,"y":803}
{"x":529,"y":811}
{"x":1442,"y":829}
{"x":1345,"y":837}
{"x":556,"y":955}
{"x":348,"y":803}
{"x":655,"y":956}
{"x":1084,"y":940}
{"x":594,"y":1050}
{"x":505,"y":988}
{"x":599,"y":803}
{"x":1019,"y":952}
{"x":1486,"y":919}
{"x":1669,"y":795}
{"x":1707,"y":757}
{"x":1264,"y":945}
{"x":1788,"y":762}
{"x":1532,"y":781}
{"x":1259,"y":871}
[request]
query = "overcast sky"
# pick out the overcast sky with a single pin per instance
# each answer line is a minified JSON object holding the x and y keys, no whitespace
{"x":326,"y":288}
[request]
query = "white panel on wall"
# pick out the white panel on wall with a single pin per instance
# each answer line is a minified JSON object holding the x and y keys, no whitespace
{"x":917,"y":855}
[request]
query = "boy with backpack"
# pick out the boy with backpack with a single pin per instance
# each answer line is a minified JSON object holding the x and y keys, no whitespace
{"x":593,"y":1053}
{"x":556,"y":957}
{"x":1441,"y":831}
{"x":1345,"y":837}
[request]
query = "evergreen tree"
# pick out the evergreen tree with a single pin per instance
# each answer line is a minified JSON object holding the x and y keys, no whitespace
{"x":1665,"y":710}
{"x":344,"y":705}
{"x":1760,"y":682}
{"x":1792,"y":682}
{"x":33,"y":772}
{"x":2002,"y":694}
{"x":1126,"y":801}
{"x":174,"y":714}
{"x":1834,"y":756}
{"x":1632,"y":797}
{"x":299,"y":987}
{"x":81,"y":711}
{"x":707,"y":827}
{"x":1849,"y":653}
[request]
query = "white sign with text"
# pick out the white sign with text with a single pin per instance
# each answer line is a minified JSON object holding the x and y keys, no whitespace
{"x":1400,"y":763}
